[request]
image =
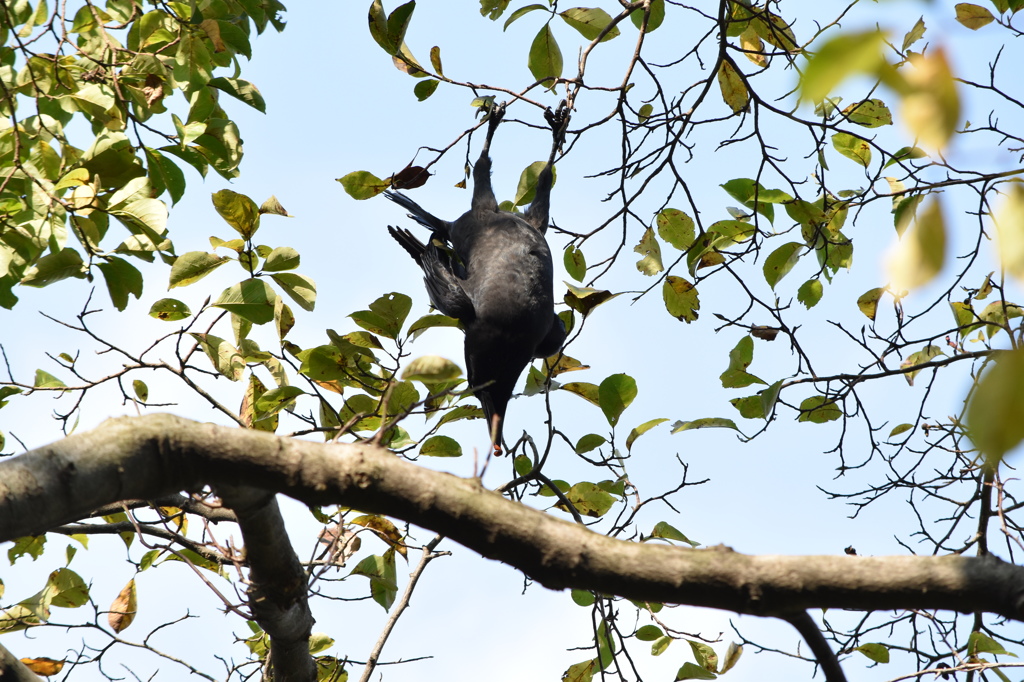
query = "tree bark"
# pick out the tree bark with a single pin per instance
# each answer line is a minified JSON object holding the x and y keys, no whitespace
{"x":151,"y":456}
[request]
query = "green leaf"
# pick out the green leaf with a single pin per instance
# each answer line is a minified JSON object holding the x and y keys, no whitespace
{"x":169,"y":310}
{"x":281,"y":258}
{"x":692,"y":671}
{"x":54,"y":267}
{"x":241,"y":90}
{"x":980,"y":643}
{"x":810,"y":293}
{"x":667,"y":531}
{"x":590,"y":441}
{"x":382,"y":573}
{"x":704,"y":423}
{"x":441,"y":446}
{"x":589,"y":22}
{"x":878,"y":653}
{"x":853,"y":147}
{"x":649,"y":248}
{"x":583,"y":671}
{"x":818,"y":410}
{"x":193,"y":266}
{"x":996,"y":314}
{"x":362,"y":185}
{"x":768,"y":398}
{"x":681,"y":299}
{"x":431,"y":369}
{"x":902,"y":428}
{"x":277,"y":399}
{"x":6,"y":392}
{"x":425,"y":89}
{"x":844,"y":55}
{"x":122,"y":278}
{"x":655,"y":19}
{"x":66,"y":589}
{"x":583,"y":597}
{"x":649,"y":633}
{"x":545,"y":60}
{"x":927,"y":354}
{"x":251,"y":299}
{"x":676,"y":228}
{"x":615,"y":394}
{"x":588,"y":499}
{"x":740,"y":358}
{"x":299,"y":288}
{"x":141,"y":390}
{"x":905,"y":153}
{"x":870,"y":113}
{"x":660,"y":644}
{"x":705,"y":655}
{"x":238,"y":211}
{"x":429,"y":321}
{"x":574,"y":262}
{"x":521,"y":12}
{"x":385,"y":316}
{"x":781,"y":261}
{"x":641,"y":430}
{"x":225,"y":358}
{"x":46,"y":380}
{"x":914,"y":34}
{"x":526,"y":190}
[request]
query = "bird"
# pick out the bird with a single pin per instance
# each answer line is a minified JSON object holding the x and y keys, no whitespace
{"x":491,"y":270}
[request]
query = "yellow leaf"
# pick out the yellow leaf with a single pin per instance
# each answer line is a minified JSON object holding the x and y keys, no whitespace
{"x":47,"y":667}
{"x":752,"y":46}
{"x":1009,"y":220}
{"x":921,"y":251}
{"x":931,"y":106}
{"x":973,"y":16}
{"x":734,"y":91}
{"x":122,"y":611}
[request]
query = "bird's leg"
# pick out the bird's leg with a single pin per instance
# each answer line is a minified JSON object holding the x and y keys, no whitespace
{"x":483,"y":195}
{"x":537,"y":214}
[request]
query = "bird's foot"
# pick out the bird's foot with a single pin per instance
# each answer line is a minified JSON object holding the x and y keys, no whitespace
{"x":494,"y":116}
{"x":558,"y":119}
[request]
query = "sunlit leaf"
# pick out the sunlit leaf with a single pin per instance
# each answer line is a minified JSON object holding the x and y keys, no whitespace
{"x":921,"y":251}
{"x":973,"y":16}
{"x":545,"y":61}
{"x":819,"y":410}
{"x":615,"y":394}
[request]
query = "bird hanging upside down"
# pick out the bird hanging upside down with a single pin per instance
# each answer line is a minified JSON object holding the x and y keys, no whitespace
{"x":491,"y":270}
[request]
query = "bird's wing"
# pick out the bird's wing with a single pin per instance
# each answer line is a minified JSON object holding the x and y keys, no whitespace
{"x":413,"y":246}
{"x":552,"y":342}
{"x":444,"y":286}
{"x":420,"y":215}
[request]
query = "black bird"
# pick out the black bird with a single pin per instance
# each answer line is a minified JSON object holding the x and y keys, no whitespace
{"x":491,"y":270}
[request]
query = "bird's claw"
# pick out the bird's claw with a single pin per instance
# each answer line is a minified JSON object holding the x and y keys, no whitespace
{"x":558,"y":119}
{"x":495,"y":114}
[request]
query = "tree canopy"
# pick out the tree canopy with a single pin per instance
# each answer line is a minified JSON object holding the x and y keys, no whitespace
{"x":792,"y":238}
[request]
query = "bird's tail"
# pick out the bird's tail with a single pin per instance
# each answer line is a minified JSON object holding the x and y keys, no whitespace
{"x":418,"y":213}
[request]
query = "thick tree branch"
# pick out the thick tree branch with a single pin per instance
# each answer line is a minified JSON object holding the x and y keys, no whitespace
{"x":151,"y":456}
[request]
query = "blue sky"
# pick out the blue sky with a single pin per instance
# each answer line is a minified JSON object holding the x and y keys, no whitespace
{"x":336,"y":104}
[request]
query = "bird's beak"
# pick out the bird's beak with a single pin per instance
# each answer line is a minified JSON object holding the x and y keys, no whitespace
{"x":496,"y":434}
